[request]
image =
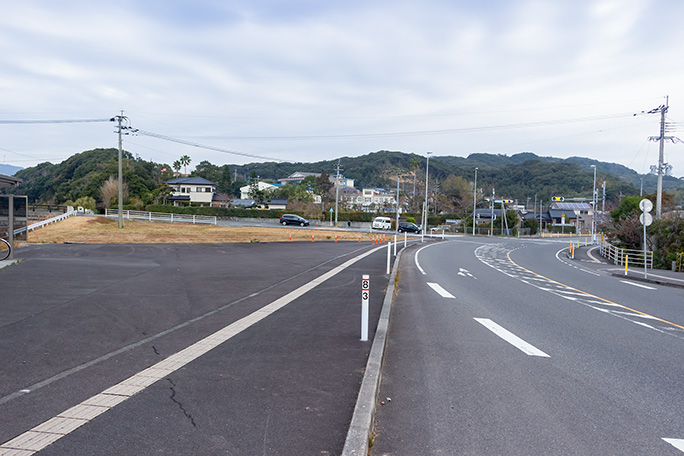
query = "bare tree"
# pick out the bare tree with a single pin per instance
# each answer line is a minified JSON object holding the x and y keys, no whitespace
{"x":110,"y":191}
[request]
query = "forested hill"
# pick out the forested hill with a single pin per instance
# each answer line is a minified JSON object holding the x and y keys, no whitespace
{"x":517,"y":177}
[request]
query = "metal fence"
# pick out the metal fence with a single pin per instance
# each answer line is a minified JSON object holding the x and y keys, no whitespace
{"x":162,"y":217}
{"x":621,"y":256}
{"x":33,"y":226}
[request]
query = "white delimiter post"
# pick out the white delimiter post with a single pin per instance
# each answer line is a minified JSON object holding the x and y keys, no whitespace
{"x":365,"y":295}
{"x":389,"y":255}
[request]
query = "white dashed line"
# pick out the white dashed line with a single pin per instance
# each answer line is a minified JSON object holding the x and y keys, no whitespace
{"x":441,"y":291}
{"x":511,"y":338}
{"x":677,"y":443}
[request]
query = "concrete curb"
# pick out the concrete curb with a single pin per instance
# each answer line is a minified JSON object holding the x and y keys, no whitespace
{"x":358,"y":436}
{"x":654,"y":281}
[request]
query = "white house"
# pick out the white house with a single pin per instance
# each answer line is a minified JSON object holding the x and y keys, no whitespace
{"x":192,"y":189}
{"x":244,"y":191}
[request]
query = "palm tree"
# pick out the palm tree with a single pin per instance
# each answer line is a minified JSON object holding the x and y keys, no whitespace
{"x":176,"y":165}
{"x":185,"y":161}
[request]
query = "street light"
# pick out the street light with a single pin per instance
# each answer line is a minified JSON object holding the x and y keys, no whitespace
{"x":425,"y":204}
{"x":474,"y":201}
{"x":593,"y":210}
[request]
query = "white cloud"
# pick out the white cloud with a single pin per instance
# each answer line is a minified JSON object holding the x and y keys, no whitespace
{"x":212,"y":70}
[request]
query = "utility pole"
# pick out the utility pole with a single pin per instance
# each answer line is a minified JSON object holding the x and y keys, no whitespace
{"x":661,"y":153}
{"x":491,"y":219}
{"x":603,"y":203}
{"x":474,"y":201}
{"x":120,"y":120}
{"x":337,"y":188}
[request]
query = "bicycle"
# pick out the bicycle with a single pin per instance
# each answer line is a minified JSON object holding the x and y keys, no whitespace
{"x":5,"y":249}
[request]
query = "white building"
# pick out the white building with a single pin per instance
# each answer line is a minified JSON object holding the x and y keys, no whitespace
{"x":191,"y":189}
{"x":244,"y":191}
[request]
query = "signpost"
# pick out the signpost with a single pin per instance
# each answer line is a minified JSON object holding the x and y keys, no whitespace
{"x":646,"y":219}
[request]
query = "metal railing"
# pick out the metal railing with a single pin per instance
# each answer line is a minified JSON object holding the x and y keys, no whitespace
{"x":620,"y":256}
{"x":162,"y":217}
{"x":43,"y":223}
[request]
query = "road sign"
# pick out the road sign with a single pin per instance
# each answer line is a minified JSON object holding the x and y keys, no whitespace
{"x":331,"y":210}
{"x":645,"y":205}
{"x":645,"y":218}
{"x":558,"y":198}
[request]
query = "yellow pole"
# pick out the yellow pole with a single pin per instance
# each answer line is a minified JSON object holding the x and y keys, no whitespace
{"x":626,"y":263}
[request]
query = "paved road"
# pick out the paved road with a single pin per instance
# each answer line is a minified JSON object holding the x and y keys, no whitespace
{"x":508,"y":348}
{"x":77,"y":321}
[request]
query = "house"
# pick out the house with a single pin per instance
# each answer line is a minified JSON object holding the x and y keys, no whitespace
{"x":191,"y":190}
{"x":296,"y":177}
{"x":370,"y":199}
{"x":577,"y":214}
{"x":544,"y":216}
{"x":244,"y":191}
{"x":8,"y":181}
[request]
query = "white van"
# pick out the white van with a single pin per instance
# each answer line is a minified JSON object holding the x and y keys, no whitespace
{"x":382,"y":223}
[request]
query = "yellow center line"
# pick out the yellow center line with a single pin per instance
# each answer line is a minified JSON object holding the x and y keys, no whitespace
{"x":508,"y":255}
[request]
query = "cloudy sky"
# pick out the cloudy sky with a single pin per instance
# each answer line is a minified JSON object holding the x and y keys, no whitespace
{"x":308,"y":80}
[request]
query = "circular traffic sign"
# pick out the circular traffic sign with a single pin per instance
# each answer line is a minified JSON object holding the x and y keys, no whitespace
{"x":646,"y":218}
{"x":645,"y":205}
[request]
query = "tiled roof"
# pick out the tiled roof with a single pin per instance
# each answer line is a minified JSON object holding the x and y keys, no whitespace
{"x":190,"y":181}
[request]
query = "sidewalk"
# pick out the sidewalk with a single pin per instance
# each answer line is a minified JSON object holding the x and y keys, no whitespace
{"x":666,"y":277}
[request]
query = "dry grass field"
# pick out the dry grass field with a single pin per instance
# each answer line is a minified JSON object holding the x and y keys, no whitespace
{"x":101,"y":230}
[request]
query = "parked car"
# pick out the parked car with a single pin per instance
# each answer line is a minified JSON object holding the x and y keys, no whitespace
{"x":408,"y":227}
{"x":292,"y":219}
{"x":382,"y":223}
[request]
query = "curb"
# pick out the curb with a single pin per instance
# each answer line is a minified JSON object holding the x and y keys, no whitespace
{"x":654,"y":281}
{"x":357,"y":442}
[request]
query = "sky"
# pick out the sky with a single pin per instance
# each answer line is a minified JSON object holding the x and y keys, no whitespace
{"x":305,"y":80}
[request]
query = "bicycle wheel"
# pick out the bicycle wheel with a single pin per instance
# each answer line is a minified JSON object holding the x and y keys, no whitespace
{"x":5,"y":249}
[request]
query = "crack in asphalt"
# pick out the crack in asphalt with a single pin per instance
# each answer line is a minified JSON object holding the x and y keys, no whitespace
{"x":181,"y":406}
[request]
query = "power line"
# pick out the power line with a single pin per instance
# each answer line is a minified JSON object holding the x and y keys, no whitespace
{"x":53,"y":121}
{"x":198,"y":145}
{"x":434,"y":132}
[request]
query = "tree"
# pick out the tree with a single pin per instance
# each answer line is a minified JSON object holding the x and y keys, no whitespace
{"x":177,"y":165}
{"x":110,"y":191}
{"x":185,"y":161}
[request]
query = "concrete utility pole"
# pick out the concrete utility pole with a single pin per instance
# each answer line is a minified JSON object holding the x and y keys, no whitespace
{"x":425,"y":204}
{"x":474,"y":201}
{"x":120,"y":120}
{"x":337,"y":188}
{"x":661,"y":153}
{"x":491,"y":219}
{"x":593,"y":209}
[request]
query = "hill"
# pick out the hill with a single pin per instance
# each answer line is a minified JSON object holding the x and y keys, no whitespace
{"x":9,"y":170}
{"x":519,"y":176}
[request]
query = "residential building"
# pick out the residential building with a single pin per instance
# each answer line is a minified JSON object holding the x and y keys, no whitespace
{"x":191,"y":190}
{"x":244,"y":191}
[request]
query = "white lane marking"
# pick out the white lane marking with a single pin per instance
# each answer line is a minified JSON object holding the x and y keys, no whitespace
{"x":441,"y":291}
{"x":465,"y":273}
{"x":511,"y":338}
{"x":415,"y":258}
{"x":638,"y":285}
{"x":593,"y":258}
{"x":572,"y":265}
{"x":677,"y":443}
{"x":63,"y":424}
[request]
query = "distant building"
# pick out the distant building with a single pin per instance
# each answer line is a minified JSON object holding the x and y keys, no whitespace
{"x":297,"y":177}
{"x":191,"y":190}
{"x":244,"y":191}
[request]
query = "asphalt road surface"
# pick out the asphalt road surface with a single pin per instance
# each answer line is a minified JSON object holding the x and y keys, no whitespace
{"x":232,"y":349}
{"x":509,"y":348}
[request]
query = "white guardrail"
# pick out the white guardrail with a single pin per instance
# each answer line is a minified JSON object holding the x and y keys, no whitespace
{"x":33,"y":226}
{"x":619,"y":255}
{"x":162,"y":217}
